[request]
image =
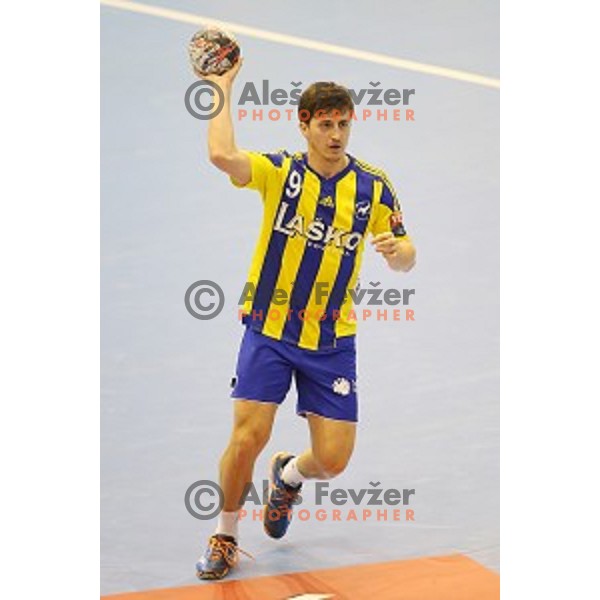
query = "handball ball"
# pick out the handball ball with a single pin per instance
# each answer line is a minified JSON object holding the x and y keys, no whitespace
{"x":213,"y":52}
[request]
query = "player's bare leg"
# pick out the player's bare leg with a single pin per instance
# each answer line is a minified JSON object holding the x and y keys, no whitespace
{"x":252,"y":425}
{"x":332,"y":443}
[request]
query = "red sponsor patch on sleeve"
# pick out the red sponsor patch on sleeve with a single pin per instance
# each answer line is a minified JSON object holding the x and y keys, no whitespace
{"x":395,"y":219}
{"x":396,"y":225}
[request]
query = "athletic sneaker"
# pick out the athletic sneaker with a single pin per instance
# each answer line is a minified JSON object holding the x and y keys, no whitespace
{"x":278,"y":509}
{"x":220,"y":557}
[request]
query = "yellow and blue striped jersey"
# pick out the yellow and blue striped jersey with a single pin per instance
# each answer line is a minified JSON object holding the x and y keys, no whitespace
{"x":310,"y":246}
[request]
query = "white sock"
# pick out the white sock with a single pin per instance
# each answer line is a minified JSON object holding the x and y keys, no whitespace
{"x":228,"y":523}
{"x":291,"y":474}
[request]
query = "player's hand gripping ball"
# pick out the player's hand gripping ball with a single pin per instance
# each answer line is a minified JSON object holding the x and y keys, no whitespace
{"x":213,"y":52}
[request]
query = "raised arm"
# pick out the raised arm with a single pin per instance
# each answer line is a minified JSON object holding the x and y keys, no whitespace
{"x":222,"y":151}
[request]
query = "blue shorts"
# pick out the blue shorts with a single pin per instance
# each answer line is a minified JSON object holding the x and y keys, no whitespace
{"x":325,"y":379}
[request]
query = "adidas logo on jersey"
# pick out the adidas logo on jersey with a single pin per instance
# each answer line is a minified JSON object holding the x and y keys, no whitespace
{"x":326,"y":201}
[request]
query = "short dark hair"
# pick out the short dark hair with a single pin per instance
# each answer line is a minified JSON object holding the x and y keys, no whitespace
{"x":324,"y":97}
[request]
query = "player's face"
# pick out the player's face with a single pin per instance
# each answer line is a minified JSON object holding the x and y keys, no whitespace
{"x":328,"y":134}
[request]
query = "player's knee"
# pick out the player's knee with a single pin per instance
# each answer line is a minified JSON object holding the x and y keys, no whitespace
{"x":249,"y":440}
{"x":333,"y":463}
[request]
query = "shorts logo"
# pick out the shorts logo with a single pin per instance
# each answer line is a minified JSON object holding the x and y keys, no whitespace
{"x":341,"y":386}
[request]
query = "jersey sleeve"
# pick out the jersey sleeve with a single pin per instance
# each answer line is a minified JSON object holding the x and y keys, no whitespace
{"x":265,"y":167}
{"x":388,"y":213}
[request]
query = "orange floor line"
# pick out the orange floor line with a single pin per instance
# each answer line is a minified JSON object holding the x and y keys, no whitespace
{"x":454,"y":577}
